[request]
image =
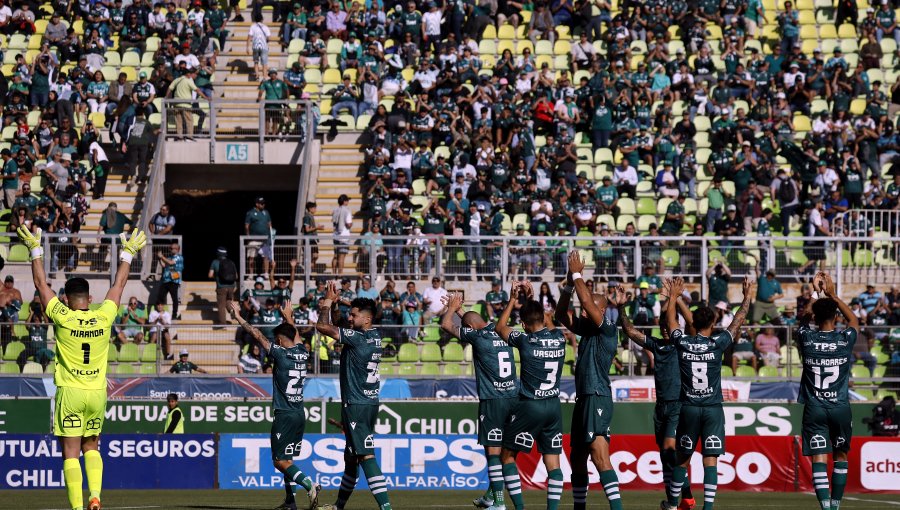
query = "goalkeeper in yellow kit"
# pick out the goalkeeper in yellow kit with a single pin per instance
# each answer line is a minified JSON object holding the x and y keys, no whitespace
{"x":82,"y":343}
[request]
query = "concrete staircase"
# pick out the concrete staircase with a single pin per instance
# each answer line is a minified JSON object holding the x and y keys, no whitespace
{"x":212,"y":348}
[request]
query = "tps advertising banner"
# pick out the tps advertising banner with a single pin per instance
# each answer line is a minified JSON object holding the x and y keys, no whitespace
{"x":408,"y":462}
{"x":131,"y":461}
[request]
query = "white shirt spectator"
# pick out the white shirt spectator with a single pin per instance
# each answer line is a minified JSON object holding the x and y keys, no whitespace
{"x":192,"y":61}
{"x":815,"y":222}
{"x":628,"y":175}
{"x":790,"y":78}
{"x":249,"y":365}
{"x":434,"y":297}
{"x":403,"y":158}
{"x":157,"y":20}
{"x":432,"y":21}
{"x":582,"y":52}
{"x":5,"y":14}
{"x":159,"y":321}
{"x":829,"y":180}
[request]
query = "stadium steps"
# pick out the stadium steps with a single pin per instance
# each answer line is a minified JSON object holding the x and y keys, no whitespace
{"x":339,"y":167}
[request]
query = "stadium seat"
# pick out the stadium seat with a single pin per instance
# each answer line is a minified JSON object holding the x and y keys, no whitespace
{"x":128,"y":353}
{"x":148,"y":368}
{"x":149,"y":353}
{"x":727,"y":372}
{"x":431,"y":352}
{"x":860,"y":372}
{"x":125,"y":369}
{"x":430,"y":369}
{"x":408,"y":353}
{"x":768,"y":371}
{"x":670,"y":258}
{"x":387,"y":368}
{"x":432,"y":334}
{"x":13,"y":349}
{"x":9,"y":368}
{"x":51,"y":368}
{"x":646,"y":205}
{"x":32,"y":368}
{"x":406,"y":369}
{"x":453,"y":369}
{"x":453,"y":352}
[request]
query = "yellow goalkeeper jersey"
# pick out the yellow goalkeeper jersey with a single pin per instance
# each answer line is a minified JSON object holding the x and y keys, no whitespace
{"x":82,"y":344}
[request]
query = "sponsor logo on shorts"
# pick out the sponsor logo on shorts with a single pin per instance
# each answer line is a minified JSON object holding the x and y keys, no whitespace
{"x":817,"y":442}
{"x":72,"y":421}
{"x":686,"y":443}
{"x":278,"y":435}
{"x":292,"y":447}
{"x":591,"y":435}
{"x":713,"y":442}
{"x":94,"y":424}
{"x":839,"y":442}
{"x":369,"y":442}
{"x":353,"y":425}
{"x":524,"y":440}
{"x":481,"y":418}
{"x":495,"y":435}
{"x":557,"y":441}
{"x":599,"y":412}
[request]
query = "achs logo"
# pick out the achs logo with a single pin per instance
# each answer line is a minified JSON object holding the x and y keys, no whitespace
{"x":524,"y":439}
{"x":370,"y":442}
{"x":557,"y":441}
{"x":71,"y":421}
{"x":686,"y":443}
{"x":94,"y":424}
{"x":495,"y":435}
{"x":817,"y":442}
{"x":712,"y":442}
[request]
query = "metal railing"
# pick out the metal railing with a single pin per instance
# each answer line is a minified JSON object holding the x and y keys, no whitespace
{"x":155,"y":192}
{"x":93,"y":256}
{"x":616,"y":258}
{"x":238,"y":119}
{"x":883,"y":220}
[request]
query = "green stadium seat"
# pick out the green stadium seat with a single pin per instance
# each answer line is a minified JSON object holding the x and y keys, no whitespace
{"x":431,"y":353}
{"x":727,"y":372}
{"x":149,"y":353}
{"x":125,"y":369}
{"x":453,"y":352}
{"x":454,"y":369}
{"x":128,"y":353}
{"x":866,"y":393}
{"x":432,"y":334}
{"x":19,"y":253}
{"x":408,"y":353}
{"x":407,"y":369}
{"x":113,"y":355}
{"x":13,"y":349}
{"x":430,"y":369}
{"x":51,"y":368}
{"x":148,"y":368}
{"x":879,"y":371}
{"x":387,"y":368}
{"x":796,"y":371}
{"x":9,"y":368}
{"x":768,"y":371}
{"x":860,"y":372}
{"x":670,"y":258}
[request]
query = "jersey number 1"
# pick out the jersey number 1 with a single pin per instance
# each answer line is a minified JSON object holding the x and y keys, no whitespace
{"x":86,"y":348}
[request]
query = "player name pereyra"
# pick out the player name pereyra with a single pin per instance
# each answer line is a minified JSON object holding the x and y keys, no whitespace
{"x":89,"y":333}
{"x":709,"y":356}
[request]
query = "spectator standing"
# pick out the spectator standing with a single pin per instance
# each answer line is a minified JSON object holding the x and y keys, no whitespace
{"x":768,"y":290}
{"x":258,"y":222}
{"x":717,"y":278}
{"x":258,"y":46}
{"x":100,"y":167}
{"x":311,"y":228}
{"x":10,"y":178}
{"x":183,"y":366}
{"x":341,"y":221}
{"x":786,"y":191}
{"x":224,"y":271}
{"x":183,"y":90}
{"x":175,"y":417}
{"x":136,"y":146}
{"x":173,"y":266}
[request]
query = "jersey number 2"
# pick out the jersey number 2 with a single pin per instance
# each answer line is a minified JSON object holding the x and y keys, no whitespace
{"x":297,"y":377}
{"x":86,"y":348}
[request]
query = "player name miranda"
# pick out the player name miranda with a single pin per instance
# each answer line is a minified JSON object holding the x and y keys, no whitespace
{"x":89,"y":333}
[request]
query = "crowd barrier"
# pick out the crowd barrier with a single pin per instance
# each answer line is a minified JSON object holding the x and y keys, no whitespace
{"x":421,"y":461}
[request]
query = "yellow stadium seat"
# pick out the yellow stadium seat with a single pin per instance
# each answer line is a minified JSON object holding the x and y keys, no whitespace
{"x":809,"y":31}
{"x":490,"y":32}
{"x":809,"y":45}
{"x":543,"y":48}
{"x":521,"y":45}
{"x":151,"y":45}
{"x":888,"y":45}
{"x":858,"y":106}
{"x":875,"y":74}
{"x":847,"y":31}
{"x":562,"y":32}
{"x":487,"y":47}
{"x":802,"y":123}
{"x":562,"y":47}
{"x":332,"y":76}
{"x":827,"y":32}
{"x":40,"y":26}
{"x":506,"y":44}
{"x":98,"y":118}
{"x":506,"y":32}
{"x":807,"y":18}
{"x":526,"y":16}
{"x":715,"y":32}
{"x":334,"y":46}
{"x":804,"y":5}
{"x":131,"y":58}
{"x":296,"y":46}
{"x":130,"y":73}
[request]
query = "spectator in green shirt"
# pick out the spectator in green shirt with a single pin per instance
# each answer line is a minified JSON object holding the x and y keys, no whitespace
{"x":273,"y":89}
{"x":768,"y":291}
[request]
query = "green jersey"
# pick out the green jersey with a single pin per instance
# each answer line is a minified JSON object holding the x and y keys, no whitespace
{"x":360,"y":357}
{"x":826,"y":359}
{"x":666,"y":377}
{"x":288,"y":376}
{"x":542,"y":354}
{"x":495,"y":371}
{"x":700,"y":361}
{"x":596,"y":350}
{"x":496,"y":298}
{"x":266,"y":320}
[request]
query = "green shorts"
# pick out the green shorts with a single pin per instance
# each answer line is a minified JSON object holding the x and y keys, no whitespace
{"x":359,"y":428}
{"x":493,"y":416}
{"x":591,"y":418}
{"x":701,"y":422}
{"x":826,"y":430}
{"x":287,"y":434}
{"x":79,"y":413}
{"x":535,"y":418}
{"x":665,"y":420}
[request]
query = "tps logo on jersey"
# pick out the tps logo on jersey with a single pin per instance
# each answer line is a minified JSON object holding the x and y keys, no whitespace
{"x":557,"y":441}
{"x":71,"y":421}
{"x":525,"y":440}
{"x":686,"y":442}
{"x":94,"y":424}
{"x":713,"y":442}
{"x":817,"y":442}
{"x":495,"y":435}
{"x":370,"y":442}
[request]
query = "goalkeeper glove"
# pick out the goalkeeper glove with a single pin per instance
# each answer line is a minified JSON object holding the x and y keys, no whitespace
{"x":131,"y":246}
{"x":31,"y":241}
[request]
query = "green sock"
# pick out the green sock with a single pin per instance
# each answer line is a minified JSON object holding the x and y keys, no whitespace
{"x":495,"y":475}
{"x":838,"y":483}
{"x":288,"y":490}
{"x":579,"y":490}
{"x":554,"y":488}
{"x":820,"y":484}
{"x":710,"y":486}
{"x":93,"y":467}
{"x":72,"y":473}
{"x":513,"y":484}
{"x":376,"y":483}
{"x":679,"y":477}
{"x":348,"y":483}
{"x":610,"y":483}
{"x":297,"y":476}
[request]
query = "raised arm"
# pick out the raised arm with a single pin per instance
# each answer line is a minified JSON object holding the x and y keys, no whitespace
{"x":685,"y":312}
{"x":502,"y":327}
{"x":735,"y":328}
{"x":831,"y":291}
{"x":562,"y":306}
{"x":33,"y":243}
{"x":672,"y":311}
{"x":618,"y":299}
{"x":453,"y":304}
{"x":324,"y":324}
{"x":594,"y":312}
{"x":235,"y":310}
{"x":130,"y":247}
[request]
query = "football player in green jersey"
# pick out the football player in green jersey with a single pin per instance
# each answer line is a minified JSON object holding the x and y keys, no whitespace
{"x":598,"y":344}
{"x":538,"y":417}
{"x":701,"y":416}
{"x":667,"y":380}
{"x":360,"y":386}
{"x":288,"y":377}
{"x":498,"y":390}
{"x":827,"y":357}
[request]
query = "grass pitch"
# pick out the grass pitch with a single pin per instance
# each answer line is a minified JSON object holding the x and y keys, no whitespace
{"x":410,"y":500}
